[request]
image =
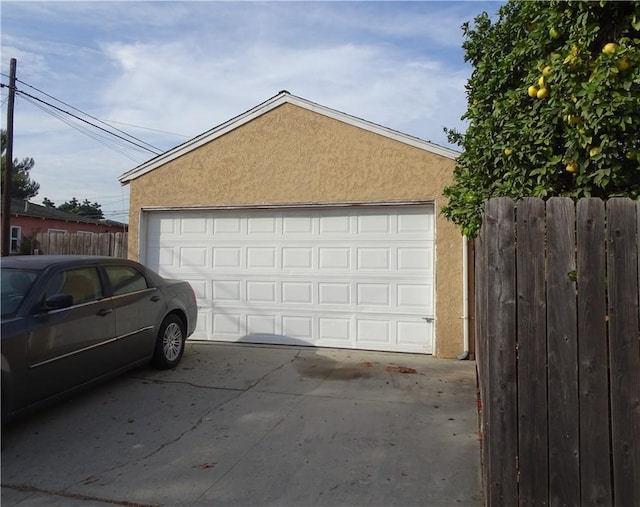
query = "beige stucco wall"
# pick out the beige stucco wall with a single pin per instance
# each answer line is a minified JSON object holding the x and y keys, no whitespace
{"x":293,"y":155}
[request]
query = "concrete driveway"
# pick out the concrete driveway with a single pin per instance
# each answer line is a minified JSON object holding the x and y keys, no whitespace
{"x":245,"y":425}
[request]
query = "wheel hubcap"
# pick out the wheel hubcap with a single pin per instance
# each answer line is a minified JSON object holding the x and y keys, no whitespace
{"x":172,"y":342}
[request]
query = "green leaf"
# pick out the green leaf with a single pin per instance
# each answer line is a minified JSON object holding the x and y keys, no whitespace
{"x":508,"y":53}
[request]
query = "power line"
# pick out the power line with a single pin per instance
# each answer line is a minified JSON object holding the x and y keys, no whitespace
{"x":25,"y":94}
{"x":106,"y":141}
{"x":147,"y":128}
{"x":88,"y":115}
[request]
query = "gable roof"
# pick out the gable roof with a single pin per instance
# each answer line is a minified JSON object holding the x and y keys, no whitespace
{"x":21,"y":207}
{"x":284,"y":97}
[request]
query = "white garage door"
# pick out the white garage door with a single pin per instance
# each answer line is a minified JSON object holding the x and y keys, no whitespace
{"x":357,"y":277}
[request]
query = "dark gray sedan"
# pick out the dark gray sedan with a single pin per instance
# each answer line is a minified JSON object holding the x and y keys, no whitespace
{"x":68,"y":321}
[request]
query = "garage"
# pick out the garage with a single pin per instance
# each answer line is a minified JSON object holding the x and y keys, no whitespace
{"x":300,"y":224}
{"x":357,"y":277}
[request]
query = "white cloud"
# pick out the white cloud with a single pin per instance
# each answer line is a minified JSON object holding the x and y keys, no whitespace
{"x":186,"y":67}
{"x":196,"y":91}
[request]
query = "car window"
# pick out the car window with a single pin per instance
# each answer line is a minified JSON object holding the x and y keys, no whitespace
{"x":83,"y":284}
{"x":15,"y":284}
{"x":125,"y":279}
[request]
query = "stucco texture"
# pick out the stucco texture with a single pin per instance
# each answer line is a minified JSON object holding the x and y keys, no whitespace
{"x":291,"y":155}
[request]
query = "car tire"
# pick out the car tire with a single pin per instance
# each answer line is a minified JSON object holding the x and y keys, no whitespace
{"x":169,"y":343}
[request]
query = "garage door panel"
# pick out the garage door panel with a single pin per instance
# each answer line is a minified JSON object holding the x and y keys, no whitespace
{"x":261,"y":225}
{"x":355,"y":278}
{"x":227,"y":291}
{"x":203,"y":326}
{"x":411,"y":332}
{"x":297,"y":258}
{"x":415,"y":259}
{"x":261,"y":291}
{"x":227,"y":324}
{"x":374,"y":294}
{"x":262,"y":258}
{"x":334,"y":293}
{"x":193,"y":257}
{"x":413,"y":296}
{"x":335,"y":329}
{"x":163,"y":225}
{"x":299,"y":327}
{"x":413,"y":222}
{"x":297,"y":293}
{"x":335,"y":225}
{"x":231,"y":226}
{"x":374,"y":224}
{"x":334,"y":258}
{"x":373,"y":332}
{"x":374,"y":259}
{"x":193,"y":225}
{"x":200,"y":288}
{"x":227,"y":258}
{"x":298,"y":225}
{"x":161,"y":258}
{"x":261,"y":324}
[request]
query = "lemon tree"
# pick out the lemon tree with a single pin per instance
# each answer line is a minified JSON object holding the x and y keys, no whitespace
{"x":553,"y":105}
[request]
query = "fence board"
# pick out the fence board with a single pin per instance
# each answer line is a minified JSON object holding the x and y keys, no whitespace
{"x":595,"y":470}
{"x":562,"y":349}
{"x":86,"y":244}
{"x":501,"y":368}
{"x":624,"y":349}
{"x":108,"y":244}
{"x":482,"y":350}
{"x":119,"y":243}
{"x":532,"y":354}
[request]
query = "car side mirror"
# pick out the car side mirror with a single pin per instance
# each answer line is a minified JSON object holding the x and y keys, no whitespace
{"x":57,"y":302}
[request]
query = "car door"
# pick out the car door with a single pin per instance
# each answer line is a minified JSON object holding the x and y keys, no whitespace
{"x":67,"y":347}
{"x":138,"y":308}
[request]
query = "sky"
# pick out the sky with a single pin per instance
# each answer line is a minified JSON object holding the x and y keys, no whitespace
{"x":165,"y":72}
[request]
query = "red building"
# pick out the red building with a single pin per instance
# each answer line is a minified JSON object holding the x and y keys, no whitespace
{"x":28,"y":219}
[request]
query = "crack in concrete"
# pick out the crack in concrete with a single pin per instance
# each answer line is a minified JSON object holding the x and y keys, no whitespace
{"x":200,"y":420}
{"x":266,"y":433}
{"x":76,"y":496}
{"x":273,"y":371}
{"x":182,"y":382}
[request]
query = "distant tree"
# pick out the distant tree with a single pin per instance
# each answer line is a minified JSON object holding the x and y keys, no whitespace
{"x":22,"y":186}
{"x":48,"y":203}
{"x":84,"y":208}
{"x":553,"y":105}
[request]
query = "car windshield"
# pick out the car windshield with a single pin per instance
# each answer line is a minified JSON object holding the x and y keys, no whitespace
{"x":15,"y":284}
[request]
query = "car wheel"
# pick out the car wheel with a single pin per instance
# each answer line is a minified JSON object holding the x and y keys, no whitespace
{"x":169,"y":344}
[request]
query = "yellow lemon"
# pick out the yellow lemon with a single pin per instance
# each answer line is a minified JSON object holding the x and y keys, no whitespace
{"x":572,"y":167}
{"x":542,"y":93}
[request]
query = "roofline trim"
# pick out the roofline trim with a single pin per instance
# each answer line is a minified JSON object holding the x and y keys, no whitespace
{"x":281,"y":98}
{"x":290,"y":206}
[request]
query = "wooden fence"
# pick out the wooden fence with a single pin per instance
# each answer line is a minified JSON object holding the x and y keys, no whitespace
{"x":558,"y":351}
{"x":108,"y":243}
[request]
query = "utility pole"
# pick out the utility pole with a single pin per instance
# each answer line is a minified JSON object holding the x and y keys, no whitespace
{"x":8,"y":166}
